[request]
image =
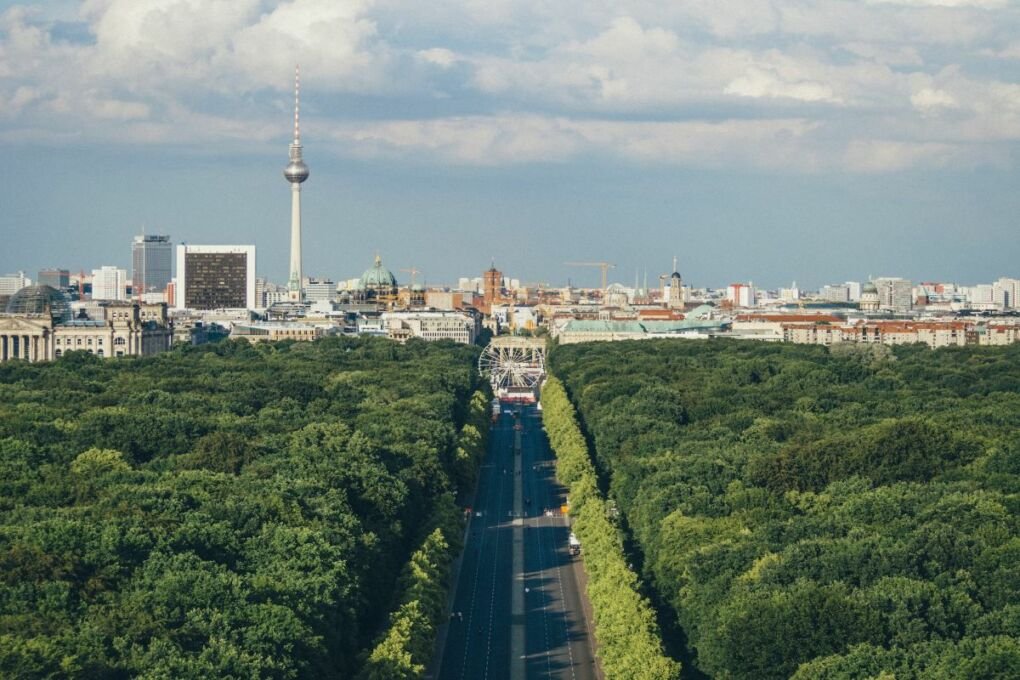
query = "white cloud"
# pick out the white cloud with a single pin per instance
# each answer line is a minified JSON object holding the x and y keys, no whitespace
{"x":760,"y":82}
{"x":438,"y":56}
{"x":928,"y":100}
{"x":831,"y":83}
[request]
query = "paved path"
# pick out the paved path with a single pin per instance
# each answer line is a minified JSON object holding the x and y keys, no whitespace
{"x":483,"y":630}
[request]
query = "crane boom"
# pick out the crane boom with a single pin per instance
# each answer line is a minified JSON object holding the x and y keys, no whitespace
{"x":604,"y":266}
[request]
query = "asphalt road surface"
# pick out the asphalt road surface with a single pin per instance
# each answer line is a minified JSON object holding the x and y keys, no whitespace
{"x":556,"y":633}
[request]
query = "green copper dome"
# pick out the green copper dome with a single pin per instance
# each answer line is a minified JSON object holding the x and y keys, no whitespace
{"x":378,"y":278}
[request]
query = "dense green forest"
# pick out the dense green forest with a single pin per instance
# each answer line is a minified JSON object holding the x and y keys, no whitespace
{"x":225,"y":510}
{"x":629,"y":645}
{"x":812,"y":513}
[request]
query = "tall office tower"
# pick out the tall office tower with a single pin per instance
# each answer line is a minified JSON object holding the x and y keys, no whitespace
{"x":895,"y":294}
{"x":215,"y":277}
{"x":12,"y":283}
{"x":296,"y":173}
{"x":55,"y":278}
{"x":109,"y":283}
{"x":151,"y":256}
{"x":1008,"y":291}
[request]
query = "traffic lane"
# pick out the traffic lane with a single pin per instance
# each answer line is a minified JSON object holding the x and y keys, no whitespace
{"x":465,"y":656}
{"x":577,"y":631}
{"x":478,"y":639}
{"x":558,"y":631}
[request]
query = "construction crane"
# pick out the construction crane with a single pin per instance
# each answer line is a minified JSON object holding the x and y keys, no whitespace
{"x":413,"y":271}
{"x":604,"y":266}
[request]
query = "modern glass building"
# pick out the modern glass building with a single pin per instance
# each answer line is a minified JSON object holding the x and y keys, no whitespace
{"x":151,"y":256}
{"x":57,"y":278}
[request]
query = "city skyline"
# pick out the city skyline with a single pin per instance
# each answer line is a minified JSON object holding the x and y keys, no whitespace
{"x":770,"y":148}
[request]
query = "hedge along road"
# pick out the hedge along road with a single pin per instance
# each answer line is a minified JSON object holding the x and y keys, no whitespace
{"x":557,"y":642}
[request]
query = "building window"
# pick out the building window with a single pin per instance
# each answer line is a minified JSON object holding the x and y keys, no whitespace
{"x":99,"y":352}
{"x":120,"y":353}
{"x":57,"y":353}
{"x":79,"y":341}
{"x":90,"y":342}
{"x":120,"y":341}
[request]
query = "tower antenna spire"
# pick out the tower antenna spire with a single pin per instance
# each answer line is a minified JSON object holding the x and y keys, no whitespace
{"x":297,"y":105}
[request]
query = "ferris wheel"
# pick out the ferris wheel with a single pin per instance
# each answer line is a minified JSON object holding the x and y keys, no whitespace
{"x":513,"y":363}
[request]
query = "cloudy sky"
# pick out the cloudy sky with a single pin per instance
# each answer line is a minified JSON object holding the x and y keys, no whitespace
{"x":762,"y":140}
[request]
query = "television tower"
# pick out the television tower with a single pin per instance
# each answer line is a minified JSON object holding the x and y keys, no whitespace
{"x":296,"y":172}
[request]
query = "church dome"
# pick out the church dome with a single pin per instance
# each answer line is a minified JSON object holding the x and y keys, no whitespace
{"x":869,"y":287}
{"x":378,"y":278}
{"x":676,"y":276}
{"x":40,"y":300}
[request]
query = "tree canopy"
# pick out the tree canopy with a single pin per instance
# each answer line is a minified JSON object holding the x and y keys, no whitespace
{"x":812,"y":513}
{"x":226,"y":511}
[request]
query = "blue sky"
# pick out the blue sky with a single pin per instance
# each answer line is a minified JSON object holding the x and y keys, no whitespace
{"x":771,"y":141}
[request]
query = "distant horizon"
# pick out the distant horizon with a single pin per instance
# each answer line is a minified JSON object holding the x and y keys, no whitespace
{"x":818,"y":144}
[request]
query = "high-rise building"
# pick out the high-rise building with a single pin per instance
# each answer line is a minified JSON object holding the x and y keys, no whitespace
{"x":296,"y":172}
{"x":894,"y":293}
{"x":741,"y":294}
{"x":12,"y":283}
{"x":151,"y":257}
{"x":854,"y":287}
{"x":109,"y":283}
{"x":55,"y":278}
{"x":1008,"y":292}
{"x":215,"y":277}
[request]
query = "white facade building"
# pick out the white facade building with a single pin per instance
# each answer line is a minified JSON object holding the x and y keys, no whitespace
{"x":835,"y":293}
{"x":318,"y":291}
{"x":1008,"y":291}
{"x":854,"y":287}
{"x":12,"y":283}
{"x":109,"y":283}
{"x":741,"y":294}
{"x":431,"y":326}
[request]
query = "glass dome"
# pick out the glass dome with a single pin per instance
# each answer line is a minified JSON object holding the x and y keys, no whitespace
{"x":40,"y":300}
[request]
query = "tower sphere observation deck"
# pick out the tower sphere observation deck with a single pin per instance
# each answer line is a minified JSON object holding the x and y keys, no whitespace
{"x":296,"y":172}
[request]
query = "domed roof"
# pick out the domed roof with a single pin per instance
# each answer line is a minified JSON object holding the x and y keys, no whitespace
{"x":40,"y":300}
{"x":675,"y":275}
{"x":869,"y":287}
{"x":378,"y":277}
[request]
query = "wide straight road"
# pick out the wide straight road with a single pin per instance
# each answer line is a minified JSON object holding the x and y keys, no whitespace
{"x":478,"y":636}
{"x":550,"y":629}
{"x":557,"y":632}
